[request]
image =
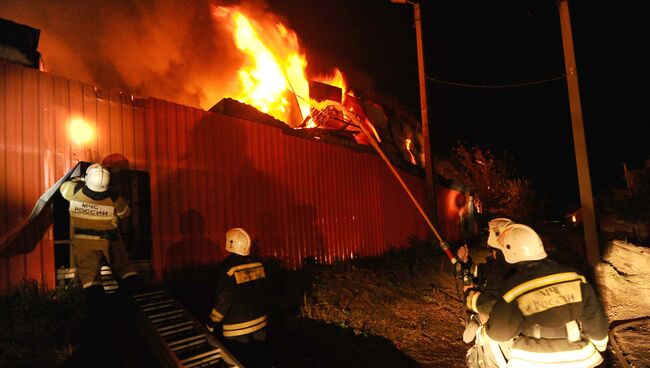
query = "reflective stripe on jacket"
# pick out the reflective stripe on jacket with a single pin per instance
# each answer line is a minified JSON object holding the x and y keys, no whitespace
{"x":553,"y":315}
{"x":93,"y":212}
{"x":241,"y":301}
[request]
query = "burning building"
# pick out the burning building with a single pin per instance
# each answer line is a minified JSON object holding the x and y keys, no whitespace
{"x":306,"y":185}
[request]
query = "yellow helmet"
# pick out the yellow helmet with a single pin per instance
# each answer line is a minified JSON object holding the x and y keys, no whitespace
{"x":97,"y":178}
{"x":238,"y":241}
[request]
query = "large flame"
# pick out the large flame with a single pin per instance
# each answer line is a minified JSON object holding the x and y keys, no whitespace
{"x":273,"y":77}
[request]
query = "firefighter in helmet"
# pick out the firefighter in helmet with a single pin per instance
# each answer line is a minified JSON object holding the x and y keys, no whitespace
{"x":481,"y":295}
{"x":550,"y":311}
{"x":240,"y":309}
{"x":94,"y":214}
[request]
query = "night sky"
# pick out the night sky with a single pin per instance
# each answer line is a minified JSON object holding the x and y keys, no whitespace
{"x":501,"y":43}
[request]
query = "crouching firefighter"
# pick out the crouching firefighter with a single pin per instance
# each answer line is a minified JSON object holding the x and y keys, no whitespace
{"x":480,"y":295}
{"x":241,"y":304}
{"x":94,"y":214}
{"x":550,"y":311}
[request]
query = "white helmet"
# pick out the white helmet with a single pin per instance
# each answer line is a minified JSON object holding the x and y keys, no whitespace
{"x":238,"y":241}
{"x":521,"y":243}
{"x":97,"y":178}
{"x":496,"y":228}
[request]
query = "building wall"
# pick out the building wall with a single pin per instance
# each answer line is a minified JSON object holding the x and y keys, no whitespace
{"x":297,"y":197}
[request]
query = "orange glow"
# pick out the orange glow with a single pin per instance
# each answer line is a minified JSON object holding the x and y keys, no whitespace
{"x":272,"y":77}
{"x":80,"y":131}
{"x":409,"y":145}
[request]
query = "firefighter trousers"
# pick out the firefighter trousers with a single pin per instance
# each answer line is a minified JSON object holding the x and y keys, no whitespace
{"x":91,"y":254}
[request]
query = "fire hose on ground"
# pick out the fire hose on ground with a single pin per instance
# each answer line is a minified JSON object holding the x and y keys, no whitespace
{"x":620,"y":325}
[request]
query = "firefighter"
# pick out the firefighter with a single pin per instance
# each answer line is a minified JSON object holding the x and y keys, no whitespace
{"x":481,"y":295}
{"x":241,"y":304}
{"x":94,"y":214}
{"x":550,"y":311}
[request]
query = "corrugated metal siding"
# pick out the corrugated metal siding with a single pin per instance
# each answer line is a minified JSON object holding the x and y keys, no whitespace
{"x":35,"y":110}
{"x":298,"y":197}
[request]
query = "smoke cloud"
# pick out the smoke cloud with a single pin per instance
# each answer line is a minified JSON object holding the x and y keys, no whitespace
{"x":174,"y":50}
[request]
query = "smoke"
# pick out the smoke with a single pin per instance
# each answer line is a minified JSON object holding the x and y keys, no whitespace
{"x":174,"y":50}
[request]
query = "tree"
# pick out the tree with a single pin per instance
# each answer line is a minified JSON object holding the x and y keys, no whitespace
{"x":491,"y":179}
{"x":632,"y":203}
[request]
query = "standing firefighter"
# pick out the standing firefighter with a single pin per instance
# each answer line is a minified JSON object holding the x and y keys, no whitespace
{"x":94,"y":214}
{"x":241,"y":302}
{"x":550,"y":311}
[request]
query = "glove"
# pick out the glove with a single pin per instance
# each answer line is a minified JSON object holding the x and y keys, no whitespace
{"x":470,"y":331}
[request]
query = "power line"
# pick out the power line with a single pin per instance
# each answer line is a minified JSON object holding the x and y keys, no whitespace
{"x":513,"y":85}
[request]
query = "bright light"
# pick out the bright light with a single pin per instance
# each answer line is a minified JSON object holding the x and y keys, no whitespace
{"x":274,"y":68}
{"x":409,"y":145}
{"x":80,"y":131}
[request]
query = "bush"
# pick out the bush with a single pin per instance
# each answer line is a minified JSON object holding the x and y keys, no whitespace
{"x":36,"y":325}
{"x":631,"y":204}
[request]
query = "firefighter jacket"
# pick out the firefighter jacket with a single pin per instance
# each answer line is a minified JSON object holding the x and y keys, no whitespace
{"x":93,"y":215}
{"x":553,"y":315}
{"x":488,"y":278}
{"x":241,"y":301}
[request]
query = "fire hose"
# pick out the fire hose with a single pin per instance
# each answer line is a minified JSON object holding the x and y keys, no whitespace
{"x":463,"y":272}
{"x":322,"y":106}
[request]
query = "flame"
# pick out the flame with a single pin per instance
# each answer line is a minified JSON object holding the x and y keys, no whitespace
{"x":273,"y":77}
{"x":409,"y":145}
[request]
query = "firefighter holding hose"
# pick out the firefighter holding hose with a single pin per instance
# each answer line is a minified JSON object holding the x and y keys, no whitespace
{"x":482,"y":294}
{"x":94,"y":215}
{"x":549,"y":311}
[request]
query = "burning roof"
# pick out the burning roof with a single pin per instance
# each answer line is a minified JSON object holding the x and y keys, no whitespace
{"x":199,"y":54}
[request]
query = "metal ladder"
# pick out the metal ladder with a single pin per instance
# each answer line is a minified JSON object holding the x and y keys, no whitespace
{"x":178,"y":339}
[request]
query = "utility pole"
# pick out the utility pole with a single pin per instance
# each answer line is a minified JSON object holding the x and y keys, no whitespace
{"x":579,"y":142}
{"x":431,"y":206}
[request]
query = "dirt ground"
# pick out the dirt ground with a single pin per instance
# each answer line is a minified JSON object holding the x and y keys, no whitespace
{"x":377,"y":315}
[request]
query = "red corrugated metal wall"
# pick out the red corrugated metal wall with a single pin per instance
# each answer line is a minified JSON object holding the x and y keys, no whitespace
{"x":35,"y":151}
{"x":298,"y":197}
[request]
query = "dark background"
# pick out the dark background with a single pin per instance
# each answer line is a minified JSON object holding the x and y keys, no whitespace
{"x":487,"y":47}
